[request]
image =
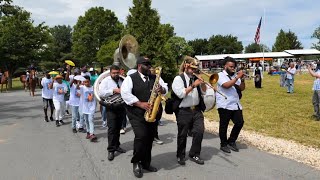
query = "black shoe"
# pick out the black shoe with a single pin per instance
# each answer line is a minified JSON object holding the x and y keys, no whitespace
{"x":74,"y":130}
{"x":137,"y":171}
{"x":46,"y":119}
{"x":57,"y":123}
{"x":225,"y":149}
{"x":233,"y":146}
{"x":120,"y":150}
{"x":81,"y":130}
{"x":110,"y":156}
{"x":61,"y":122}
{"x":181,"y":160}
{"x":151,"y":169}
{"x":51,"y":118}
{"x":196,"y":159}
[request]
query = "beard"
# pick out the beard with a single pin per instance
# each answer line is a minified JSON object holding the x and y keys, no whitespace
{"x":145,"y":71}
{"x":231,"y":73}
{"x":116,"y":77}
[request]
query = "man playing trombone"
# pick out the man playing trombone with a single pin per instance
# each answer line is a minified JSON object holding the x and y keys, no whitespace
{"x":188,"y":88}
{"x":230,"y":84}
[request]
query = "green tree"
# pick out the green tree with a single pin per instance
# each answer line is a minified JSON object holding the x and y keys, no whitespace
{"x":293,"y":41}
{"x":219,"y":44}
{"x":200,"y":46}
{"x":21,"y":42}
{"x":170,"y":55}
{"x":94,"y":29}
{"x":143,"y":23}
{"x":106,"y":52}
{"x":254,"y":47}
{"x":316,"y":34}
{"x":286,"y":41}
{"x":62,"y":42}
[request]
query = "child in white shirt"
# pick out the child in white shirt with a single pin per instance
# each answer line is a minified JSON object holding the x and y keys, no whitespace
{"x":59,"y":90}
{"x":87,"y":107}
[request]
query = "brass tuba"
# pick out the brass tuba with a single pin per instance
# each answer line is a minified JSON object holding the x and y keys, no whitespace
{"x":124,"y":56}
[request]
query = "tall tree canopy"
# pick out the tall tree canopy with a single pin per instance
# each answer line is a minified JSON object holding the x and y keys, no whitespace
{"x":21,"y":43}
{"x":316,"y":34}
{"x":285,"y":41}
{"x":254,"y":47}
{"x":143,"y":23}
{"x":94,"y":29}
{"x":62,"y":42}
{"x":219,"y":44}
{"x":200,"y":46}
{"x":169,"y":56}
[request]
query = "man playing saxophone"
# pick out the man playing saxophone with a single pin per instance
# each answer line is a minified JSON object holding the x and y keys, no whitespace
{"x":135,"y":91}
{"x":189,"y":90}
{"x":110,"y":87}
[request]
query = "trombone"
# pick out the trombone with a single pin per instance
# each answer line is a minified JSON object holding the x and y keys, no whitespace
{"x":213,"y":78}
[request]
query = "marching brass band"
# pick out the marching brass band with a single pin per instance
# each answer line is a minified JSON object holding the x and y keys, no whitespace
{"x":139,"y":96}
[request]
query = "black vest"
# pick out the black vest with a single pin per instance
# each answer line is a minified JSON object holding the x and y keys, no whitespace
{"x":141,"y":90}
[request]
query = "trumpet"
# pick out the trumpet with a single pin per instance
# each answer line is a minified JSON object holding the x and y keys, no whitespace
{"x":213,"y":78}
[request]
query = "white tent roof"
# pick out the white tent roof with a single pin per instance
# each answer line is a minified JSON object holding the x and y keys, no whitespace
{"x":303,"y":52}
{"x":244,"y":56}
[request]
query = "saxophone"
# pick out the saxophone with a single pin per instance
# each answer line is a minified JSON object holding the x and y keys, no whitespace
{"x":155,"y":99}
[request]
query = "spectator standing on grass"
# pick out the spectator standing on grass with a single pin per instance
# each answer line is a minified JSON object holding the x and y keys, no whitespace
{"x":316,"y":90}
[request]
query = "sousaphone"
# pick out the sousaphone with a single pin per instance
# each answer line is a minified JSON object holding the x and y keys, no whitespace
{"x":125,"y":57}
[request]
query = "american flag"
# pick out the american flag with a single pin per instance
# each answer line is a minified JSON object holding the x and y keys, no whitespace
{"x":257,"y":36}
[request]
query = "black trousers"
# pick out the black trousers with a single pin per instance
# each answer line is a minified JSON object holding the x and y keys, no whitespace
{"x":143,"y":137}
{"x":158,"y":117}
{"x":257,"y":84}
{"x":185,"y":119}
{"x":114,"y":122}
{"x":237,"y":119}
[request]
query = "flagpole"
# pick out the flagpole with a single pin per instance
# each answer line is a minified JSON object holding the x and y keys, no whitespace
{"x":264,"y":23}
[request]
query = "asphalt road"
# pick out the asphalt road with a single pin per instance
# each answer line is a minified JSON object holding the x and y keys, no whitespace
{"x":33,"y":149}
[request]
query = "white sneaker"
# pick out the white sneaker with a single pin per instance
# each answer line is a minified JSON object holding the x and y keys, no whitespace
{"x":158,"y":141}
{"x":122,"y":131}
{"x":77,"y":124}
{"x":104,"y":124}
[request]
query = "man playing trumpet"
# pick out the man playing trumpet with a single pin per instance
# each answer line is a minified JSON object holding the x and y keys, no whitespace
{"x":230,"y":84}
{"x":190,"y":89}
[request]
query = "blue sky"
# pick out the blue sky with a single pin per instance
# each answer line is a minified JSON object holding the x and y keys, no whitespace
{"x":199,"y":18}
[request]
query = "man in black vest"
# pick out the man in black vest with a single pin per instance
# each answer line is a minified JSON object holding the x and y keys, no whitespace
{"x":189,"y":114}
{"x":135,"y":91}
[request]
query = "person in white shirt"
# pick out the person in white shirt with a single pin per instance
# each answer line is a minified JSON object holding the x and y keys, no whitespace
{"x":135,"y":91}
{"x":47,"y":95}
{"x":74,"y":102}
{"x":59,"y":90}
{"x":116,"y":113}
{"x":87,"y":107}
{"x":291,"y":71}
{"x":316,"y":90}
{"x":230,"y":84}
{"x":189,"y":116}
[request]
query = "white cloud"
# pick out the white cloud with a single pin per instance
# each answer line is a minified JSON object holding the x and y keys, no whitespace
{"x":199,"y":18}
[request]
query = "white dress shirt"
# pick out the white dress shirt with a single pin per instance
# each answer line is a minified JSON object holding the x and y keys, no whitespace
{"x":188,"y":100}
{"x":107,"y":86}
{"x":47,"y":93}
{"x":131,"y":71}
{"x":291,"y":70}
{"x":127,"y":85}
{"x":232,"y":102}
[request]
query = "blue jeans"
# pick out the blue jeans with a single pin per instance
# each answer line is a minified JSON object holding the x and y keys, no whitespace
{"x":75,"y":116}
{"x":81,"y":118}
{"x":290,"y":84}
{"x":104,"y":114}
{"x":89,"y":122}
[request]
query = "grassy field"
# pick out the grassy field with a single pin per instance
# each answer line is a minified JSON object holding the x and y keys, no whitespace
{"x":273,"y":112}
